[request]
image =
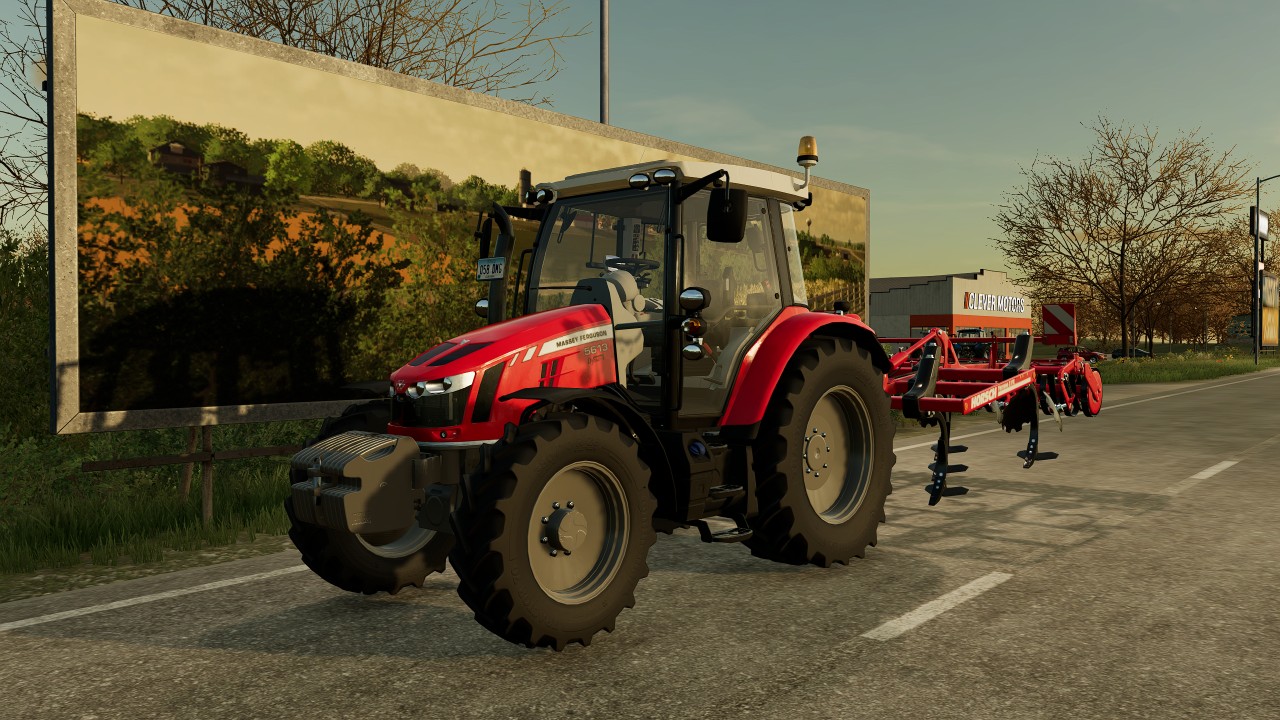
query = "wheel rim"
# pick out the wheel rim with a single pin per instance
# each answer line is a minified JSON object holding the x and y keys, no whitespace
{"x":397,"y":543}
{"x":578,"y":532}
{"x":838,"y":454}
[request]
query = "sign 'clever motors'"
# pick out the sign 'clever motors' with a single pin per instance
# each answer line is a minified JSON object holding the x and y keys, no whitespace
{"x":994,"y":303}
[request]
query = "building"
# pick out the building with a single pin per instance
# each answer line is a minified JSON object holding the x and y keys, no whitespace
{"x":176,"y":157}
{"x":985,"y":301}
{"x":225,"y":172}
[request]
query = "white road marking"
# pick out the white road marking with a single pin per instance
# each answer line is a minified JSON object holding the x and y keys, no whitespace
{"x":54,"y":617}
{"x":1198,"y":477}
{"x":1104,"y":407}
{"x":930,"y":610}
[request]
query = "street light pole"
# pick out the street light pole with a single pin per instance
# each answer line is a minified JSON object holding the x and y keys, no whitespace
{"x":604,"y":62}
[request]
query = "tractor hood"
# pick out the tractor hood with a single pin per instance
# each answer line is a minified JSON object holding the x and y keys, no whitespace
{"x":541,"y":334}
{"x":454,"y":393}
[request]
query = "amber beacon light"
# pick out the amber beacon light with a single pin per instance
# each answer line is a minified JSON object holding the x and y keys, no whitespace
{"x":807,"y":155}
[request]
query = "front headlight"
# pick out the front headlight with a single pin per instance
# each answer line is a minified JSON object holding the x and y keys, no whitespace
{"x":453,"y":383}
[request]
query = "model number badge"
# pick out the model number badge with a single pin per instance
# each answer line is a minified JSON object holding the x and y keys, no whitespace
{"x":595,"y":352}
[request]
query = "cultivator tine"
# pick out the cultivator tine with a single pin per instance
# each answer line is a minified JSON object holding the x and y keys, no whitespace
{"x":939,"y":483}
{"x":1033,"y":441}
{"x":938,"y":487}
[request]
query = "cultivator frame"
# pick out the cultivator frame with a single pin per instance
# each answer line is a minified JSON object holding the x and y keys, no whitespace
{"x":929,"y":381}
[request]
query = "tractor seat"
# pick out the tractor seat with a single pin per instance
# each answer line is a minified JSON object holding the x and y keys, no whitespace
{"x":620,"y":296}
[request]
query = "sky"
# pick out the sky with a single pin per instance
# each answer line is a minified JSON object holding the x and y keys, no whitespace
{"x":932,"y":106}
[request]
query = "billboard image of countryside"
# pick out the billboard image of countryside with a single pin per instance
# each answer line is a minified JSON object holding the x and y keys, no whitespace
{"x":220,"y":269}
{"x":244,"y":231}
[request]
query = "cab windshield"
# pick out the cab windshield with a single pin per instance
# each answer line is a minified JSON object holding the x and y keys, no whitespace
{"x":594,"y":235}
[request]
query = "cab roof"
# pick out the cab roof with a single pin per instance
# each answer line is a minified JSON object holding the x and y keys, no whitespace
{"x":764,"y":182}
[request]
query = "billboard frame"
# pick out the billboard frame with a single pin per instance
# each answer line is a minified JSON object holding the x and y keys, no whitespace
{"x":64,"y":351}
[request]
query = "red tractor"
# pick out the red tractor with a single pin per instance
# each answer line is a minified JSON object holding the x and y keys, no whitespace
{"x":650,"y":363}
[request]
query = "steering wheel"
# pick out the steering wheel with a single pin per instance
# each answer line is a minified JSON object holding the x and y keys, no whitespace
{"x":635,"y":266}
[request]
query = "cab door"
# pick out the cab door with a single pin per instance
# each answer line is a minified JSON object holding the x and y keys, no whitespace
{"x":745,"y":295}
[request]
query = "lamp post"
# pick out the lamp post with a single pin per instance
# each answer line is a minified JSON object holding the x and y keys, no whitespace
{"x":604,"y":62}
{"x":1258,"y":225}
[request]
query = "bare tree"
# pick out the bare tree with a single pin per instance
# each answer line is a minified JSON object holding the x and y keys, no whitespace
{"x":24,"y":134}
{"x":472,"y":44}
{"x":1131,"y":220}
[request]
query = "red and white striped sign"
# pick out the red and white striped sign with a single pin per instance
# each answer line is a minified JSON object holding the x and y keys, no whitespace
{"x":1059,"y":324}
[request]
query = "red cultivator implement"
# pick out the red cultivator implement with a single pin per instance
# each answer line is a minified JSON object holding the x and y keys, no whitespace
{"x":930,"y":381}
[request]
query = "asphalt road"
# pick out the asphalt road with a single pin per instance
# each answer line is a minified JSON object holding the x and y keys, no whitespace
{"x":1134,"y":576}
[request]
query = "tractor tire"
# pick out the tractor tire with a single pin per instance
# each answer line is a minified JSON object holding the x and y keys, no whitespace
{"x":385,"y":562}
{"x":828,"y":409}
{"x":554,"y":538}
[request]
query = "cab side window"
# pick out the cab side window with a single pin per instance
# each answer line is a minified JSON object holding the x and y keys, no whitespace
{"x":742,"y":280}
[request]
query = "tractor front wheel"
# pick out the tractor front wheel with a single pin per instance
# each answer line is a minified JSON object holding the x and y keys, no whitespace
{"x":554,"y":538}
{"x":385,"y":562}
{"x":823,"y":457}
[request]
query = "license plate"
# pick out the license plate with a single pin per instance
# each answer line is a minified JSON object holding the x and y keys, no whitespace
{"x":491,"y":269}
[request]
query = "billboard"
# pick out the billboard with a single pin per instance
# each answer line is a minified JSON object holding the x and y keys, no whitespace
{"x":1270,"y":310}
{"x":244,"y":231}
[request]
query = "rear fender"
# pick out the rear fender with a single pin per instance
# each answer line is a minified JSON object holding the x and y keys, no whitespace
{"x":763,"y":364}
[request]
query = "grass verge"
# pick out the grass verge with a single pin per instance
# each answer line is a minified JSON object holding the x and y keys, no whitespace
{"x":57,"y":521}
{"x":1180,"y":367}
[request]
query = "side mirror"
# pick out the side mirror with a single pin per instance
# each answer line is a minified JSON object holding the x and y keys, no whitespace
{"x":727,"y":215}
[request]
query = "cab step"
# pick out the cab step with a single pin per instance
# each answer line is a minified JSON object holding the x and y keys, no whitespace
{"x":728,"y":535}
{"x":723,"y":492}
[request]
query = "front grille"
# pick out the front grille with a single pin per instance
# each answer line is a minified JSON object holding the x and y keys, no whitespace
{"x":430,"y":410}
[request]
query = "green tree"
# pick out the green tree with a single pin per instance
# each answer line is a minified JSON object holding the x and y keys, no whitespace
{"x":289,"y":168}
{"x":435,"y":301}
{"x":475,"y":194}
{"x":156,"y":130}
{"x":341,"y":171}
{"x":227,"y":144}
{"x":110,"y":147}
{"x":24,"y":306}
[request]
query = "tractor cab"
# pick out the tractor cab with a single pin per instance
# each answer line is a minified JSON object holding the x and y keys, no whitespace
{"x":690,"y":260}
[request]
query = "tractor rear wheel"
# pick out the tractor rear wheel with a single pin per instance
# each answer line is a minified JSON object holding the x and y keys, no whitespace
{"x":385,"y":562}
{"x":552,"y":541}
{"x":823,"y":457}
